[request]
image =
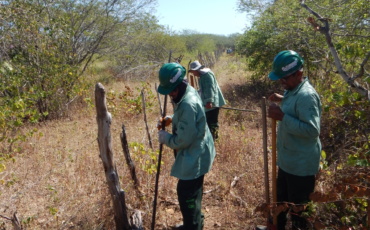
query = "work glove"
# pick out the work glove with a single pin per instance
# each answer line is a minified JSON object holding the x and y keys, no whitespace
{"x":167,"y":119}
{"x":162,"y":136}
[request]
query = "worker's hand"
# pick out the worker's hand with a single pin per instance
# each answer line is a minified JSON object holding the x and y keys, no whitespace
{"x":209,"y":105}
{"x":162,"y":136}
{"x":275,"y":97}
{"x":167,"y":119}
{"x":274,"y":112}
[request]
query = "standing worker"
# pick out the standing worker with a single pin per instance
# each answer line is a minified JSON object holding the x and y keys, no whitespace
{"x":298,"y":143}
{"x":210,"y":93}
{"x":191,"y":139}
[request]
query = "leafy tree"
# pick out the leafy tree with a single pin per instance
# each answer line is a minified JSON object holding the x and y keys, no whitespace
{"x":141,"y":46}
{"x":254,"y":7}
{"x":284,"y":25}
{"x":46,"y":47}
{"x":333,"y":37}
{"x":138,"y":49}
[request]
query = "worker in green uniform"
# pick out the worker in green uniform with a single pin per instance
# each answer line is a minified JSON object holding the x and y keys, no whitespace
{"x":192,"y":140}
{"x":298,"y":143}
{"x":210,"y":93}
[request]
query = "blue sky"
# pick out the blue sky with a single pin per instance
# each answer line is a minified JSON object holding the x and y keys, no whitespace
{"x":204,"y":16}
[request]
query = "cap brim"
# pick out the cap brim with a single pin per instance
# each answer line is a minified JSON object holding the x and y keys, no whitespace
{"x":164,"y":91}
{"x":273,"y":76}
{"x":198,"y":67}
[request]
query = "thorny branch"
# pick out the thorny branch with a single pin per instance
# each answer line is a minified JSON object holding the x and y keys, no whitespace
{"x":326,"y":31}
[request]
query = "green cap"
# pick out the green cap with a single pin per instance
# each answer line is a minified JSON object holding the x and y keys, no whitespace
{"x":170,"y":76}
{"x":285,"y":63}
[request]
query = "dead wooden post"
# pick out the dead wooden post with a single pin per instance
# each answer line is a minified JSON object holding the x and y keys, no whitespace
{"x":273,"y":139}
{"x":159,"y":101}
{"x":265,"y":156}
{"x":129,"y":161}
{"x":104,"y":119}
{"x":146,"y":123}
{"x":190,"y":77}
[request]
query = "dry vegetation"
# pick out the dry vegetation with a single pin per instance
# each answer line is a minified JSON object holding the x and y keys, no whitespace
{"x":58,"y":181}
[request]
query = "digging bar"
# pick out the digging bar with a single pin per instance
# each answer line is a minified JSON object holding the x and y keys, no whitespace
{"x":265,"y":156}
{"x":273,"y":139}
{"x":229,"y":108}
{"x":159,"y":160}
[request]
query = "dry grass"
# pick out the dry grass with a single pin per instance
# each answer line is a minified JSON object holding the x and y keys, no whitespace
{"x":58,"y":181}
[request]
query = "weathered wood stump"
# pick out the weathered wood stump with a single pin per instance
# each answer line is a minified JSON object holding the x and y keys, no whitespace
{"x":104,"y":120}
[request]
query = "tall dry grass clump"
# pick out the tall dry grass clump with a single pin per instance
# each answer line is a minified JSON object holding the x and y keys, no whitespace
{"x":58,"y":182}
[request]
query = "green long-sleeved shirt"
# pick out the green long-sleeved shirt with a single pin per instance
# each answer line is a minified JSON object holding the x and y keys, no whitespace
{"x":191,"y":138}
{"x":209,"y":89}
{"x":298,"y":143}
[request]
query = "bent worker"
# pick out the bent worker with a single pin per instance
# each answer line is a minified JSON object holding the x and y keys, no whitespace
{"x":192,"y":141}
{"x":298,"y":143}
{"x":210,"y":93}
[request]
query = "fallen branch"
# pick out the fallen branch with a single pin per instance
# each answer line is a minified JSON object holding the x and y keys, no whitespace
{"x":233,"y":184}
{"x":211,"y":190}
{"x":14,"y":220}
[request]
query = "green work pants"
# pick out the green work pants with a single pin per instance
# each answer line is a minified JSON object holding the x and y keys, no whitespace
{"x":189,"y":193}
